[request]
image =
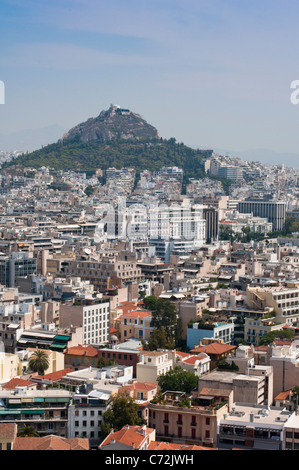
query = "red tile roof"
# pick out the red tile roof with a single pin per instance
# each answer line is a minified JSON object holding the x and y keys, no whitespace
{"x":80,"y":350}
{"x":50,"y":443}
{"x":214,"y":348}
{"x":16,"y":382}
{"x":137,"y":313}
{"x":284,"y":395}
{"x":8,"y":430}
{"x":128,"y":436}
{"x":140,"y":386}
{"x":192,"y":359}
{"x":56,"y":375}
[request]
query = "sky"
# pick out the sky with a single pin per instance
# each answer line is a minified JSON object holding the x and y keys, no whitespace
{"x":211,"y":73}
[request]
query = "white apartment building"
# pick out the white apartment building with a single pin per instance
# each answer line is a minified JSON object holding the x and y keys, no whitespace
{"x":178,"y":221}
{"x":152,"y":364}
{"x":93,"y":317}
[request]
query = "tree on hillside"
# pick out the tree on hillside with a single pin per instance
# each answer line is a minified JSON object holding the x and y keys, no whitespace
{"x":123,"y":410}
{"x":178,"y":379}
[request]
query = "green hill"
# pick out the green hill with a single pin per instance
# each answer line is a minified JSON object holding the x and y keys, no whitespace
{"x":116,"y":138}
{"x":141,"y":155}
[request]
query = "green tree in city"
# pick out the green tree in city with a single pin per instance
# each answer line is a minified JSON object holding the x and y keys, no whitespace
{"x":39,"y":362}
{"x":28,"y":431}
{"x":178,"y":379}
{"x":123,"y":410}
{"x":167,"y":331}
{"x":277,"y":334}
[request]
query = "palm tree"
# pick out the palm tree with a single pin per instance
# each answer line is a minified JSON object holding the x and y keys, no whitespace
{"x":27,"y":431}
{"x":39,"y":362}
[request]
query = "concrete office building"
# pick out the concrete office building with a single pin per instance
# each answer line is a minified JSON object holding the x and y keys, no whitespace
{"x":274,"y":211}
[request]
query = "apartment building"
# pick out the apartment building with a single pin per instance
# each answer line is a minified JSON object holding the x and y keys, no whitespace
{"x":107,"y":271}
{"x":135,"y":324}
{"x":284,"y":361}
{"x":177,"y":222}
{"x":256,"y":328}
{"x":274,"y":211}
{"x":17,"y":264}
{"x":195,"y":424}
{"x":219,"y":331}
{"x":92,"y":315}
{"x":283,"y":300}
{"x":142,"y":394}
{"x":91,"y":398}
{"x":153,"y":364}
{"x":257,"y":428}
{"x":126,"y":353}
{"x":252,"y":387}
{"x":44,"y":410}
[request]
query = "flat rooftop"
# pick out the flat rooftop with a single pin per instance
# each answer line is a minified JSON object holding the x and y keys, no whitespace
{"x":257,"y":416}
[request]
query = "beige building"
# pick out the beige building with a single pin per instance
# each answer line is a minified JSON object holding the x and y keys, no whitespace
{"x":8,"y":433}
{"x":55,"y":358}
{"x":283,"y":300}
{"x":10,"y":366}
{"x":152,"y":364}
{"x":254,"y":387}
{"x":108,"y":271}
{"x":188,"y":310}
{"x":256,"y":328}
{"x":135,"y":324}
{"x":186,"y":425}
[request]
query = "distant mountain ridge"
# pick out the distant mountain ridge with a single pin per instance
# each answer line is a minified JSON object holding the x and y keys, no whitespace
{"x":115,"y":123}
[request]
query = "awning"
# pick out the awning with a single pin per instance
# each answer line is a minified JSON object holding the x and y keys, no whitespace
{"x":58,"y":345}
{"x":57,"y":400}
{"x":33,"y":412}
{"x":10,"y":412}
{"x":63,"y":338}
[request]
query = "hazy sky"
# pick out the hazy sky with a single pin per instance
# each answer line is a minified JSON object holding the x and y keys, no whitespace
{"x":214,"y":73}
